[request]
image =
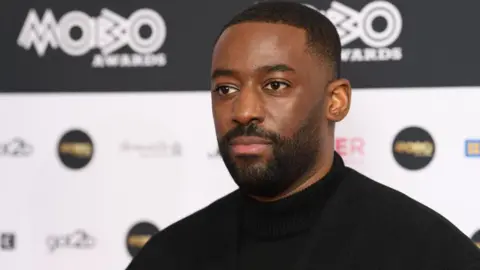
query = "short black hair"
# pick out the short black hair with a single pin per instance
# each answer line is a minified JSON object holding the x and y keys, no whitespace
{"x":322,"y":36}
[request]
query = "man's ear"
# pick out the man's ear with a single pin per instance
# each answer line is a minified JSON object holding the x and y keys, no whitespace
{"x":339,"y":93}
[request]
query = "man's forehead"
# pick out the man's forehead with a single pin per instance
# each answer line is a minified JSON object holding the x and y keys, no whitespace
{"x":248,"y":32}
{"x":257,"y":44}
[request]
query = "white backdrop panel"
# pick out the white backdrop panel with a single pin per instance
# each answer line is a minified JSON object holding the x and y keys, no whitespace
{"x":152,"y":162}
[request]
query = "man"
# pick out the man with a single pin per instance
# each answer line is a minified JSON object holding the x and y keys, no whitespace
{"x":276,"y":96}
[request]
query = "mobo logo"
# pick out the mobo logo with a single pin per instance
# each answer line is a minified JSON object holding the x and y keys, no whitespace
{"x":76,"y":34}
{"x":413,"y":148}
{"x":352,"y":25}
{"x":75,"y":149}
{"x":139,"y":235}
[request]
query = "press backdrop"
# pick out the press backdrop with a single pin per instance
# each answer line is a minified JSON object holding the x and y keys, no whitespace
{"x":107,"y":136}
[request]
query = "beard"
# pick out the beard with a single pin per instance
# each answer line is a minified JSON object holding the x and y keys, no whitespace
{"x":291,"y":159}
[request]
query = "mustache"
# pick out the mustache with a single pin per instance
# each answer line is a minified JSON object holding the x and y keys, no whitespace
{"x":250,"y":130}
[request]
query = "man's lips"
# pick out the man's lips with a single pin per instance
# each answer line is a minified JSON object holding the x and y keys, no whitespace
{"x":248,"y":140}
{"x":249,"y":145}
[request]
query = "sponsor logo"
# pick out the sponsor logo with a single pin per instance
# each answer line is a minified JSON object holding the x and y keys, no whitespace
{"x":76,"y":34}
{"x":472,"y":148}
{"x":79,"y":239}
{"x":154,"y":149}
{"x":17,"y":147}
{"x":413,"y":148}
{"x":378,"y":25}
{"x":139,"y":235}
{"x":75,"y":149}
{"x":7,"y":241}
{"x":350,"y":148}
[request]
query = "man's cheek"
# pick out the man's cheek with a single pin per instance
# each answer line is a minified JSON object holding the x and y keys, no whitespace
{"x":287,"y":129}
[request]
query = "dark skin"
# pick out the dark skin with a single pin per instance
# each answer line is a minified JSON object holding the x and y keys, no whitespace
{"x":264,"y":73}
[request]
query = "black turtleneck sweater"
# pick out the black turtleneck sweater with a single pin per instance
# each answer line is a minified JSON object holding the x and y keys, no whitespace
{"x":345,"y":221}
{"x":274,"y":234}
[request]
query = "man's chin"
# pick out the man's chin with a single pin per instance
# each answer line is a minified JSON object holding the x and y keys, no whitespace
{"x":251,"y":167}
{"x":252,"y":176}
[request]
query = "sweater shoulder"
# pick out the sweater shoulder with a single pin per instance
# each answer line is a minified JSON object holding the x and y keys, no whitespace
{"x":386,"y":209}
{"x":392,"y":216}
{"x":185,"y":236}
{"x":198,"y":223}
{"x":385,"y":202}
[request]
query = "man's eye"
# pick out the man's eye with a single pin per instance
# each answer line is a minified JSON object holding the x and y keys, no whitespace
{"x":276,"y":85}
{"x":225,"y":90}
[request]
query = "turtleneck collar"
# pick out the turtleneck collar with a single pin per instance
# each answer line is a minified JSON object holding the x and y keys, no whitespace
{"x":293,"y":214}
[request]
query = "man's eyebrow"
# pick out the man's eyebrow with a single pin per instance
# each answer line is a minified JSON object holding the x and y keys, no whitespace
{"x":224,"y":72}
{"x":276,"y":68}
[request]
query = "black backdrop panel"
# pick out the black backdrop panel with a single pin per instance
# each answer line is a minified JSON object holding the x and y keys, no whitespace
{"x":111,"y":45}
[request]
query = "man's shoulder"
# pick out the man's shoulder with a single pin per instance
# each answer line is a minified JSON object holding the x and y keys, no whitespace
{"x":199,"y":222}
{"x":384,"y":215}
{"x":377,"y":198}
{"x":188,"y":235}
{"x":210,"y":213}
{"x":386,"y":210}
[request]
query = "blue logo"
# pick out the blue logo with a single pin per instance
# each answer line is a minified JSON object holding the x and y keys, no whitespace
{"x":472,"y":148}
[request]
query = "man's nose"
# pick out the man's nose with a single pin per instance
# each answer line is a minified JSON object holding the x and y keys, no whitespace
{"x":248,"y":107}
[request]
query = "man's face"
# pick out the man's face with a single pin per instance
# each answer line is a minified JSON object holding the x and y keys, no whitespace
{"x":268,"y":105}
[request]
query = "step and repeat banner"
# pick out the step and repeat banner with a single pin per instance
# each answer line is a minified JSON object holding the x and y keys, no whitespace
{"x":110,"y":45}
{"x":107,"y":136}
